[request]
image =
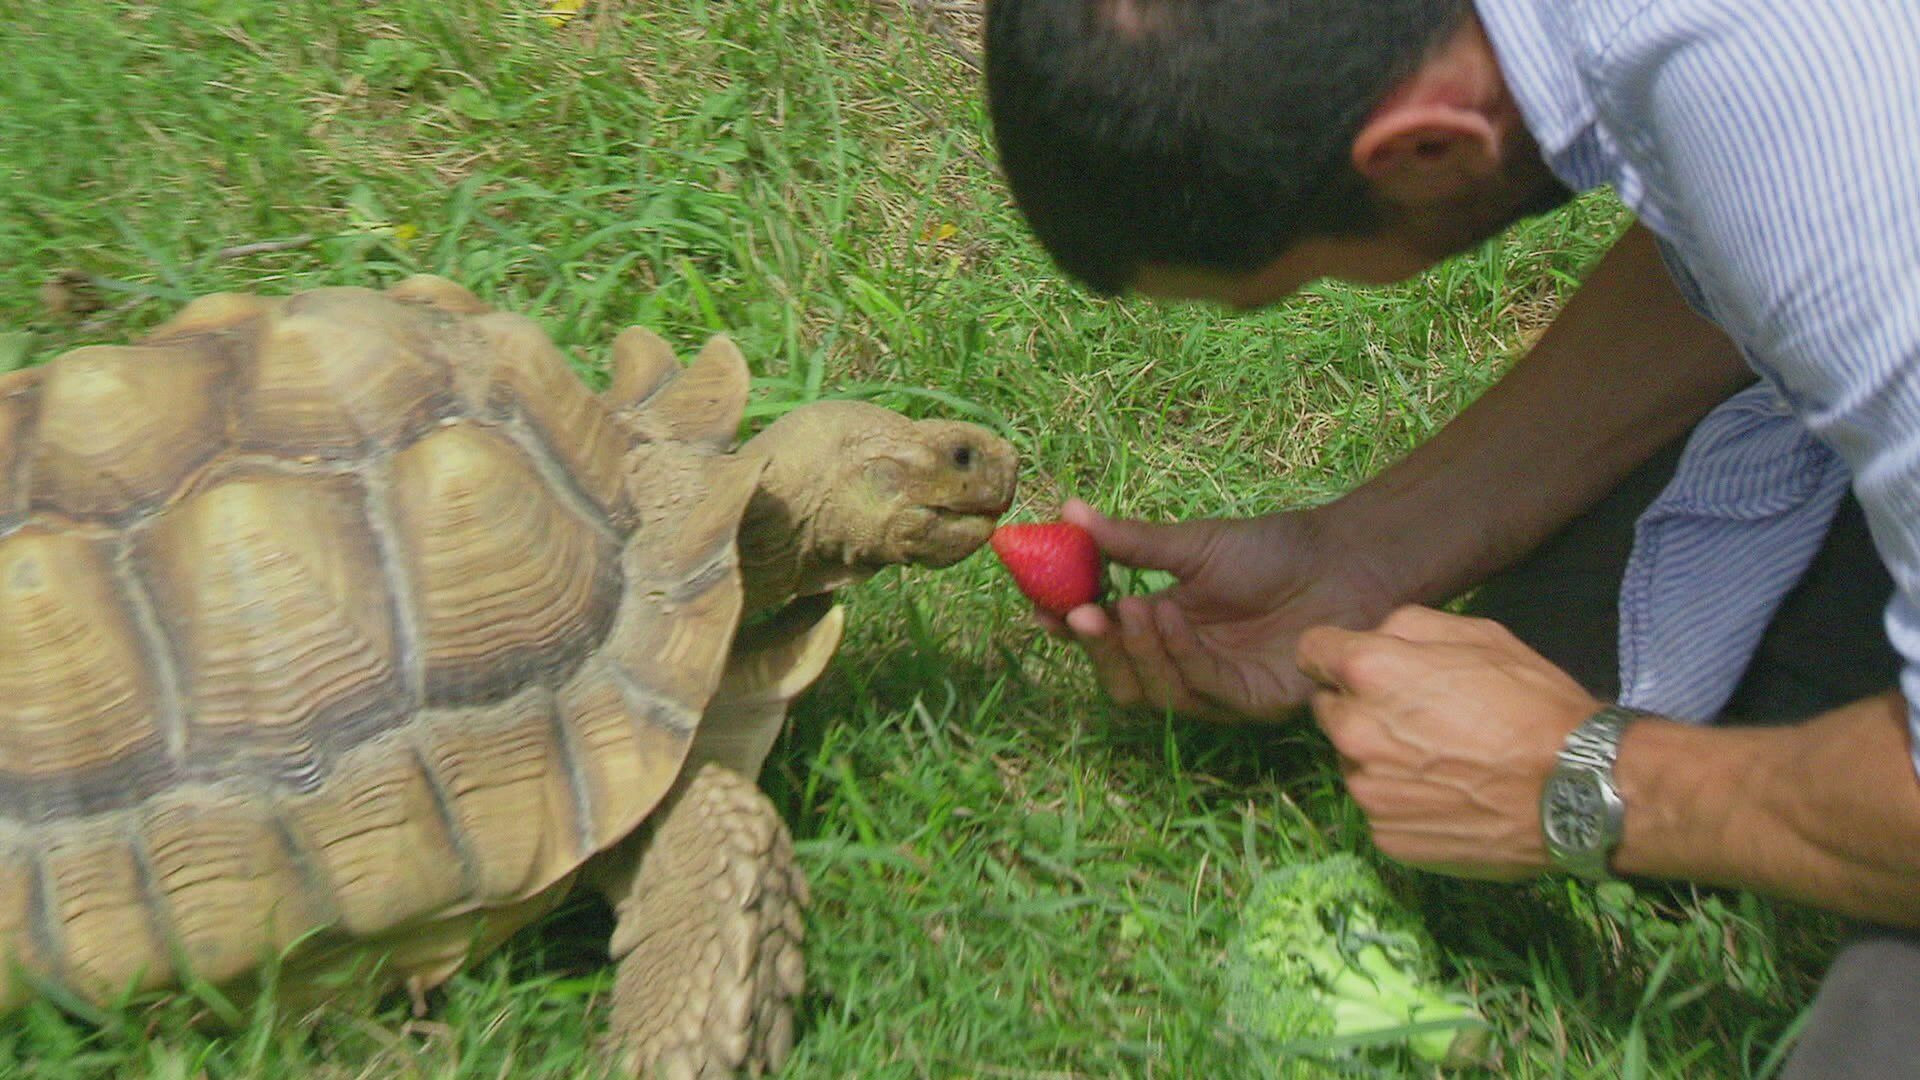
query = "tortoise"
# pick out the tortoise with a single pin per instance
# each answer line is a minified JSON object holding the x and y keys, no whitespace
{"x":346,"y":632}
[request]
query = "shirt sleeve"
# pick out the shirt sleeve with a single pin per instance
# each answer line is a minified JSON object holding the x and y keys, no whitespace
{"x":1777,"y":142}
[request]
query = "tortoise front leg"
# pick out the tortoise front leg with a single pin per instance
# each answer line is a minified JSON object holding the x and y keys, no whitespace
{"x":708,"y":935}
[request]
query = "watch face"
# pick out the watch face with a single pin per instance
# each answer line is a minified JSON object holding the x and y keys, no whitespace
{"x":1574,"y":812}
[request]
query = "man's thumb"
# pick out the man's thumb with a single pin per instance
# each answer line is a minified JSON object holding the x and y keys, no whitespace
{"x":1174,"y":548}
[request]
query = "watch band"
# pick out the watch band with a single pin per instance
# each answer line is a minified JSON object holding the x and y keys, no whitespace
{"x":1596,"y":743}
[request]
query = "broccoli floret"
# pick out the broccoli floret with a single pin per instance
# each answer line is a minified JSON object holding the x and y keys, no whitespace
{"x":1327,"y":964}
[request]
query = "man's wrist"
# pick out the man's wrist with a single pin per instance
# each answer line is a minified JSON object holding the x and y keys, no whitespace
{"x":1385,"y":538}
{"x":1692,"y":788}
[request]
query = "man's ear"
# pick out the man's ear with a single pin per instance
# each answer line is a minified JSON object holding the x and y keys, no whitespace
{"x":1417,"y":153}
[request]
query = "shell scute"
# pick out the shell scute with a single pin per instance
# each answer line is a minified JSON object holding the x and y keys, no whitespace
{"x":275,"y":595}
{"x":435,"y":291}
{"x":702,"y":404}
{"x":698,"y":501}
{"x":228,"y":883}
{"x":642,"y":363}
{"x":213,"y":313}
{"x":509,"y":583}
{"x":16,"y":414}
{"x":670,"y":642}
{"x":166,"y":405}
{"x":504,"y":776}
{"x":626,"y":760}
{"x":20,"y":951}
{"x":330,"y":383}
{"x":530,"y":378}
{"x":95,"y":894}
{"x":81,"y":724}
{"x":668,"y":657}
{"x":378,"y":839}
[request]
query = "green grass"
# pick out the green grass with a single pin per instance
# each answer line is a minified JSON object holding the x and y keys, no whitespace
{"x":1012,"y":878}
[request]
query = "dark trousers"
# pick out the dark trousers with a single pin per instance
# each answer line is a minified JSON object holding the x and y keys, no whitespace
{"x":1826,"y":646}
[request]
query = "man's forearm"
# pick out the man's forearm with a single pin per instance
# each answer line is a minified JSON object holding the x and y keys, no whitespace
{"x":1826,"y":812}
{"x":1626,"y":368}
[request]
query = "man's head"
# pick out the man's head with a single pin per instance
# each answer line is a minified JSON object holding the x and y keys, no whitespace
{"x":1237,"y":149}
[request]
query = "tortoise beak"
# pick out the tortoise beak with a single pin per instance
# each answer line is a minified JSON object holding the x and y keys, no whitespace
{"x":947,"y":536}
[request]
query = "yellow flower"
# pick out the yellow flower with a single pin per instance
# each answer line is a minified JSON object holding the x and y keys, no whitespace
{"x":561,"y":12}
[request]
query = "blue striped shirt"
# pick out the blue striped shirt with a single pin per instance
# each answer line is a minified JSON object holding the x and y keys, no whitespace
{"x":1774,"y":147}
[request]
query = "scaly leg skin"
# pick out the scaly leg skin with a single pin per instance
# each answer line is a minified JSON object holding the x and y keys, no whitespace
{"x":707,"y":937}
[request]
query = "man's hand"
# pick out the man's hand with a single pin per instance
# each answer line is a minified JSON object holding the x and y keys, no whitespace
{"x":1221,"y":640}
{"x":1553,"y":435}
{"x":1447,"y":728}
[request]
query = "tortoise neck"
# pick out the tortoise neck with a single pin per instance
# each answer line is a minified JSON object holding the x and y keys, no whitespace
{"x":790,"y":544}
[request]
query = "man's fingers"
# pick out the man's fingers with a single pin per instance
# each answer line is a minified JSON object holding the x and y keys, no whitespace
{"x":1201,"y":670}
{"x":1093,"y":628}
{"x":1128,"y":658}
{"x":1085,"y":621}
{"x":1358,"y":661}
{"x":1053,"y":624}
{"x":1322,"y":654}
{"x":1162,"y":683}
{"x":1346,"y":726}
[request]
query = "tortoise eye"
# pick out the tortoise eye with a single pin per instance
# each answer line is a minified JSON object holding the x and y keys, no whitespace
{"x":963,"y":455}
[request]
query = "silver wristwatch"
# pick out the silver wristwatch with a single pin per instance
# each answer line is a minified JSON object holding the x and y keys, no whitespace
{"x":1581,"y":811}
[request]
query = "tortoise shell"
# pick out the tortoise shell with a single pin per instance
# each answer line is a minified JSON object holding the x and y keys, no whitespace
{"x":351,"y":610}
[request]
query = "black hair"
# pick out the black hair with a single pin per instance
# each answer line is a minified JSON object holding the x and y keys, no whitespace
{"x":1207,"y":134}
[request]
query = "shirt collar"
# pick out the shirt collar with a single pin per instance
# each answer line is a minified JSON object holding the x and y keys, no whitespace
{"x":1536,"y":51}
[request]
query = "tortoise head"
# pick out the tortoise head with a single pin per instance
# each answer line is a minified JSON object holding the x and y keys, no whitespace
{"x":851,"y":488}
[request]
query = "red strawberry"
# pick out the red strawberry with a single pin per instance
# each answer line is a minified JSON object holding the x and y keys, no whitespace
{"x":1055,"y":563}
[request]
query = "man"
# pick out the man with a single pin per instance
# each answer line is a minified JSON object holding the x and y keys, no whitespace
{"x":1698,"y":494}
